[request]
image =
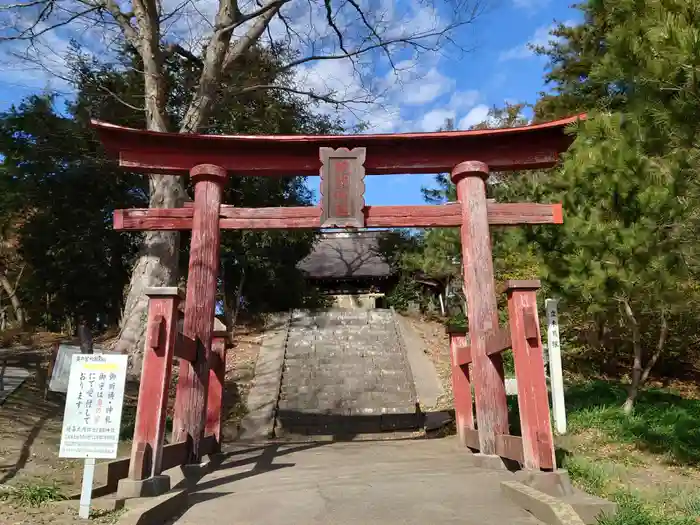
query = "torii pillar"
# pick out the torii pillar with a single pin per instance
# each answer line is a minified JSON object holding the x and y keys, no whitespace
{"x":200,"y":307}
{"x":482,"y":310}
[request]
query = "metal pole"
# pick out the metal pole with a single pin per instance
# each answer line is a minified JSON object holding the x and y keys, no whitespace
{"x":86,"y":492}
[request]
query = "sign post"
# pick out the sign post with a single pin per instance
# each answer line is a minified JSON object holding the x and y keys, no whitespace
{"x":555,"y":368}
{"x":92,"y":416}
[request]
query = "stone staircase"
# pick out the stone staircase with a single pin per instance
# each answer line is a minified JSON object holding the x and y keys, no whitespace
{"x":345,"y":374}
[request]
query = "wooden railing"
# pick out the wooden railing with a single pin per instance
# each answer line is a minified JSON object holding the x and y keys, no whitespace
{"x":535,"y":448}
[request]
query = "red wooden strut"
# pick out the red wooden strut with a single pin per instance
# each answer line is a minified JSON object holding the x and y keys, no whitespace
{"x":149,"y":432}
{"x":200,"y":303}
{"x":533,"y":405}
{"x":217,"y":376}
{"x":462,"y":393}
{"x":482,"y":311}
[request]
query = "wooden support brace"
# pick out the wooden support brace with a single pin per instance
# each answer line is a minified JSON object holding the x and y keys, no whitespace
{"x":462,"y":393}
{"x":535,"y":424}
{"x":186,"y":348}
{"x":149,"y":431}
{"x":217,"y":376}
{"x":496,"y":342}
{"x":510,"y":447}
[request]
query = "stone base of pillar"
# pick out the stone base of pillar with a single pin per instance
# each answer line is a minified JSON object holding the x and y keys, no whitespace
{"x":143,"y":488}
{"x":555,"y":483}
{"x":490,"y":461}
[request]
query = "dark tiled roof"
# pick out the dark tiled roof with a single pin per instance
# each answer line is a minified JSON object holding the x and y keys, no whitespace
{"x":345,"y":255}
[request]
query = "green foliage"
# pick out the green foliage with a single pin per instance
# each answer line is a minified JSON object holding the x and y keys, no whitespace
{"x":403,"y":294}
{"x":32,"y":495}
{"x":663,"y":422}
{"x":58,"y":191}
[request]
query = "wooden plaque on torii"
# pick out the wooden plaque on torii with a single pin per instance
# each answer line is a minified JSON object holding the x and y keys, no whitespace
{"x":342,"y":187}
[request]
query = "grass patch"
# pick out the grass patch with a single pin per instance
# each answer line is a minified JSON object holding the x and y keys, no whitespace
{"x":31,"y":495}
{"x":602,"y":479}
{"x":663,"y":422}
{"x":628,"y":459}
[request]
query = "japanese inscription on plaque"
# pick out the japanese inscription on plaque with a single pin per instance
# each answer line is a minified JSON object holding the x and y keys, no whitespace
{"x":93,"y":410}
{"x":342,"y":187}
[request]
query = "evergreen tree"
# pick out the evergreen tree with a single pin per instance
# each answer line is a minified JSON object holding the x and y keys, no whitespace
{"x":629,"y":182}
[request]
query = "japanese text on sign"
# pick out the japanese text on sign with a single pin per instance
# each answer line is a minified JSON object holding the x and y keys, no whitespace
{"x":341,"y":188}
{"x":94,"y":400}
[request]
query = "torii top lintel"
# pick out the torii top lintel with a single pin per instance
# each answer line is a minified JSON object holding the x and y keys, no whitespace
{"x":502,"y":149}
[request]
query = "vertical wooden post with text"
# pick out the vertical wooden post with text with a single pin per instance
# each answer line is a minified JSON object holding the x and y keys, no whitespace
{"x":217,"y":376}
{"x":482,"y":311}
{"x":200,"y":302}
{"x":533,"y":404}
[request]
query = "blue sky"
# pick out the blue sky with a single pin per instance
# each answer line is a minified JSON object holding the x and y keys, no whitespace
{"x":461,"y":86}
{"x":500,"y":69}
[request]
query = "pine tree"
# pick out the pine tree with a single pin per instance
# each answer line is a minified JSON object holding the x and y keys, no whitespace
{"x":629,"y":182}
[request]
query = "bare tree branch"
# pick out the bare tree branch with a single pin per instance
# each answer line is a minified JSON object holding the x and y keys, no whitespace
{"x":179,"y":50}
{"x":410,"y":41}
{"x":329,"y":98}
{"x":253,"y":34}
{"x":331,"y":23}
{"x":124,"y":22}
{"x":8,"y":7}
{"x":243,"y":18}
{"x":29,"y":34}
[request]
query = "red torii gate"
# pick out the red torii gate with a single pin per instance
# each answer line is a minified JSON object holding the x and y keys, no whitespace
{"x":342,"y":161}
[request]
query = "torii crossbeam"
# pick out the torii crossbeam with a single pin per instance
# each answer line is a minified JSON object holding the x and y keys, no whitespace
{"x":342,"y":162}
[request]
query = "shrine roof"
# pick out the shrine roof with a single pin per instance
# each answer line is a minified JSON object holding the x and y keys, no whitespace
{"x":503,"y":149}
{"x":346,"y":255}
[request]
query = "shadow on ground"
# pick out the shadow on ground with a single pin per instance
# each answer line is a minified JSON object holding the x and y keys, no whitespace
{"x":663,"y":422}
{"x":261,"y":458}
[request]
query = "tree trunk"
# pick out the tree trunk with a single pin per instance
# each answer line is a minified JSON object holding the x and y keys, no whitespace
{"x":633,"y":390}
{"x":660,"y":344}
{"x":158,"y":259}
{"x":157,"y":265}
{"x":14,"y":300}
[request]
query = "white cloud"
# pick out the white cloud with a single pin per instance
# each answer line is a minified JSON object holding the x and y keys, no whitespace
{"x":435,"y":119}
{"x":476,"y":115}
{"x":541,"y":37}
{"x":462,"y":100}
{"x":427,"y":89}
{"x":530,"y":5}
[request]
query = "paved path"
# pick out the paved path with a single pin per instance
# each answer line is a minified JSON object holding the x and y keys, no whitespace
{"x":384,"y":483}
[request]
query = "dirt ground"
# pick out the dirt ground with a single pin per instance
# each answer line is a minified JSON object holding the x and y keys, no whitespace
{"x":30,"y":432}
{"x":437,"y":344}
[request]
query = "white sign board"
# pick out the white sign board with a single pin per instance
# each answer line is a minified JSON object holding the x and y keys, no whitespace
{"x":61,"y":367}
{"x":93,"y":410}
{"x":556,"y":378}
